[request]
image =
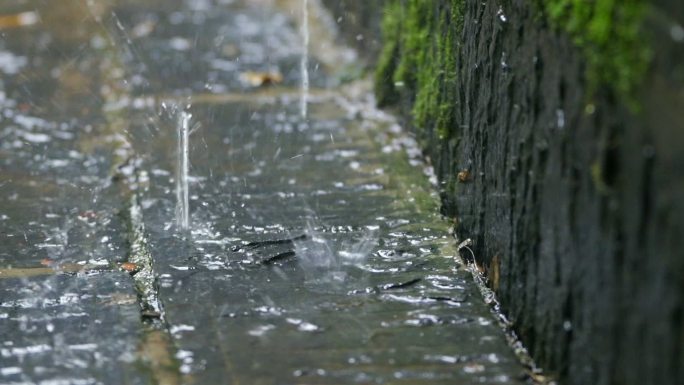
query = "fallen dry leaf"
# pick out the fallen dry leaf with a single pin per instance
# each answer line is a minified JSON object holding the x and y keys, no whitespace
{"x":47,"y":262}
{"x":260,"y":79}
{"x":17,"y":20}
{"x":464,"y":176}
{"x":130,"y":267}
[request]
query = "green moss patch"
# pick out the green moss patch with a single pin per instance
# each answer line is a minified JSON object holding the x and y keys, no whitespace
{"x":421,"y":40}
{"x":419,"y":60}
{"x":611,"y":37}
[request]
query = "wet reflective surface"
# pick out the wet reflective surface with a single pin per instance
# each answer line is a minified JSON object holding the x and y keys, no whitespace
{"x":315,"y":252}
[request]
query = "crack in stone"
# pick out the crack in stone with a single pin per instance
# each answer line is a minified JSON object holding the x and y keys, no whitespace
{"x":141,"y":257}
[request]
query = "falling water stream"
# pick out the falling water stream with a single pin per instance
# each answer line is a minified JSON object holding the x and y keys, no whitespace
{"x":182,"y":168}
{"x":304,"y":64}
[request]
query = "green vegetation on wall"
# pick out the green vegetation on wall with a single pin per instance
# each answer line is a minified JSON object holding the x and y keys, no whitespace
{"x":422,"y":38}
{"x":610,"y":34}
{"x":389,"y":56}
{"x":419,"y":60}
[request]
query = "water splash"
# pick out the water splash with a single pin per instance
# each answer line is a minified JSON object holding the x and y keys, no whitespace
{"x":315,"y":251}
{"x":182,"y":168}
{"x":304,"y":63}
{"x":326,"y":259}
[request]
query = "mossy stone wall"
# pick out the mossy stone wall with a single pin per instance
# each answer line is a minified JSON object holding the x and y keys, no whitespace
{"x":557,"y":132}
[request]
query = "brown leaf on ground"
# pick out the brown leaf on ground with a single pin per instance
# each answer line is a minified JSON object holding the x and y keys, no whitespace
{"x":261,"y":79}
{"x":47,"y":262}
{"x":130,"y":267}
{"x":17,"y":20}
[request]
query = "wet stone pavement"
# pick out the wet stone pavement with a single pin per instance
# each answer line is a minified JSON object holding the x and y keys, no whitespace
{"x":315,"y":253}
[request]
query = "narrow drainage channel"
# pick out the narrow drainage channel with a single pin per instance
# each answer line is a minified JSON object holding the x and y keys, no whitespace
{"x":156,"y":346}
{"x":534,"y":372}
{"x":156,"y":349}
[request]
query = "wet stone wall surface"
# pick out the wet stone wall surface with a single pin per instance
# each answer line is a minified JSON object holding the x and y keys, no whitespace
{"x":573,"y":201}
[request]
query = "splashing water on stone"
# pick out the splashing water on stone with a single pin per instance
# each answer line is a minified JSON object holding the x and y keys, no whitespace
{"x":325,"y":259}
{"x":182,"y":168}
{"x":304,"y":63}
{"x":315,"y":251}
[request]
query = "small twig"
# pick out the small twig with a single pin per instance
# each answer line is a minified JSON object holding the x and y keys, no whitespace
{"x":465,"y":245}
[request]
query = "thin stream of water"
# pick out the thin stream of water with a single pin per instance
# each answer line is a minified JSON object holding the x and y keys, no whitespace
{"x":182,"y":168}
{"x":304,"y":64}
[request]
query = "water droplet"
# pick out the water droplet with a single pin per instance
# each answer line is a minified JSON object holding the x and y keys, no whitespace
{"x":501,"y":15}
{"x":560,"y":118}
{"x":677,"y":33}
